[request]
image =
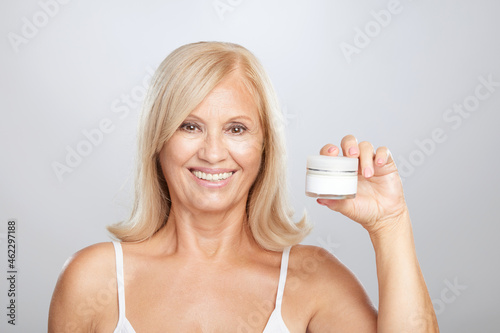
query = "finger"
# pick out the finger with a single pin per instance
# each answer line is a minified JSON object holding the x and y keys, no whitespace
{"x":340,"y":206}
{"x":329,"y":150}
{"x":349,"y":146}
{"x":366,"y":159}
{"x":382,"y":156}
{"x":332,"y":204}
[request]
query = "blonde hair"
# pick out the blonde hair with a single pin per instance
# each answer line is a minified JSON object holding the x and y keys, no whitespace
{"x":179,"y":85}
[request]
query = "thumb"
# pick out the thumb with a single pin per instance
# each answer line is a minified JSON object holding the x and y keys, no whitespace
{"x":335,"y":205}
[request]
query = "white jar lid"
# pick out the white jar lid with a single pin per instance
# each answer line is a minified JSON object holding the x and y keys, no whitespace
{"x":332,"y":163}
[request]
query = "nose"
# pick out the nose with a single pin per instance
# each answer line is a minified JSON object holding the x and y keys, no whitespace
{"x":213,"y":149}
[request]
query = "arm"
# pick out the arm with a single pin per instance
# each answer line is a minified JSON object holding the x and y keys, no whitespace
{"x":404,"y":303}
{"x":379,"y":206}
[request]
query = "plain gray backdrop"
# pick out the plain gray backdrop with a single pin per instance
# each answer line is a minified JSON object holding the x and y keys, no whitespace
{"x":421,"y":77}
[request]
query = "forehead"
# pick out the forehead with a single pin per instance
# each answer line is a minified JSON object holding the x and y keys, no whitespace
{"x":229,"y":98}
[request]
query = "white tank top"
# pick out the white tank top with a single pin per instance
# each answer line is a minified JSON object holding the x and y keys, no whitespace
{"x":275,"y":324}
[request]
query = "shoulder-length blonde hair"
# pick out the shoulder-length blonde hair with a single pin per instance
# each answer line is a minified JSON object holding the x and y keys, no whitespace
{"x":179,"y":85}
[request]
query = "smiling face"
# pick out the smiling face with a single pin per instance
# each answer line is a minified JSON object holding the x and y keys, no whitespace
{"x":213,"y":158}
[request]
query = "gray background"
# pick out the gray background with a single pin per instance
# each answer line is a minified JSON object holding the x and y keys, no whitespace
{"x":85,"y":59}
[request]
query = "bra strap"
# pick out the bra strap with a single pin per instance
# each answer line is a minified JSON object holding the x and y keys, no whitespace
{"x":283,"y":272}
{"x":120,"y":280}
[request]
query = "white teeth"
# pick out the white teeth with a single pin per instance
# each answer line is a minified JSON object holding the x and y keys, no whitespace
{"x":214,"y":177}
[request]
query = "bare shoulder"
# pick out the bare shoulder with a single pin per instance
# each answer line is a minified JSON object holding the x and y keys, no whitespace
{"x":323,"y":267}
{"x":93,"y":257}
{"x":340,"y":302}
{"x":86,"y":289}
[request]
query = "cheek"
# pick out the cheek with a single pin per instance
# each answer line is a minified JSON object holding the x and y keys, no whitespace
{"x":176,"y":152}
{"x":183,"y":146}
{"x":247,"y":153}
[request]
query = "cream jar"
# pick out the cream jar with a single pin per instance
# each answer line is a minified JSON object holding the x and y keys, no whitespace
{"x":331,"y":177}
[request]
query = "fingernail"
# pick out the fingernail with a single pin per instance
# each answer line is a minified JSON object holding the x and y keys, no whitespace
{"x":332,"y":149}
{"x":367,"y":172}
{"x":380,"y":161}
{"x":320,"y":202}
{"x":353,"y":151}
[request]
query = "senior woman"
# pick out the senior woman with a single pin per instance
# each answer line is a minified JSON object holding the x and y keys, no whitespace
{"x":211,"y":246}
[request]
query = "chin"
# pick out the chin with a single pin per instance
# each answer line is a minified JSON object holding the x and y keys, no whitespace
{"x":214,"y":204}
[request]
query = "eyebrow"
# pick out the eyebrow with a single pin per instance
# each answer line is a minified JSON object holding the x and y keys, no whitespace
{"x":241,"y":117}
{"x":236,"y":118}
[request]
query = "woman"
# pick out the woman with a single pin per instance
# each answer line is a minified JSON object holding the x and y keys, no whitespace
{"x":210,"y":245}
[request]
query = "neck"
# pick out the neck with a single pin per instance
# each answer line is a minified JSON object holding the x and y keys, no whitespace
{"x":208,"y":235}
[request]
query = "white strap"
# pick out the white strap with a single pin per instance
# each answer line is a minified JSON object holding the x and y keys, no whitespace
{"x":283,"y":272}
{"x":120,"y":280}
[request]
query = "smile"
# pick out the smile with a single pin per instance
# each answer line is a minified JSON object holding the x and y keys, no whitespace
{"x":213,"y":177}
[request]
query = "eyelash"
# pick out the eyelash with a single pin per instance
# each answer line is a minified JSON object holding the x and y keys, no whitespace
{"x":240,"y":127}
{"x":185,"y":125}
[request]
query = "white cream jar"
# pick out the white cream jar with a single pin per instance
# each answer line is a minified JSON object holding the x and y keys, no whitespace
{"x":331,"y":177}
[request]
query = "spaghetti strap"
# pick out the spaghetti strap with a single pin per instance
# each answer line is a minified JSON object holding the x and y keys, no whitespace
{"x":120,"y":281}
{"x":275,"y":323}
{"x":283,"y":272}
{"x":123,"y":325}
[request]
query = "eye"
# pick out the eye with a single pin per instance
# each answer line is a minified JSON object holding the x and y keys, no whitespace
{"x":189,"y":127}
{"x":237,"y":129}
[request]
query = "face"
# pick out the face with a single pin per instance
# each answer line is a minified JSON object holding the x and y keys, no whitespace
{"x":213,"y":158}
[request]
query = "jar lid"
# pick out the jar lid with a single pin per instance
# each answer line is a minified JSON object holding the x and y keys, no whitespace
{"x":332,"y":163}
